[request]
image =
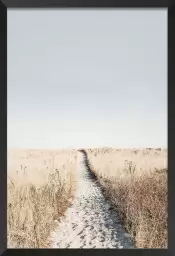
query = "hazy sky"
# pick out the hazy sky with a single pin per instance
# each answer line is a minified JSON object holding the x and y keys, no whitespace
{"x":87,"y":78}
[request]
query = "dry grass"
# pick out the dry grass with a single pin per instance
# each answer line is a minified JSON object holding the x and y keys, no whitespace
{"x":136,"y":183}
{"x":41,"y":185}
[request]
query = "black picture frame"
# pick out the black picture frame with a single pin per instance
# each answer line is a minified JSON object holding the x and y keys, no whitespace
{"x":3,"y":110}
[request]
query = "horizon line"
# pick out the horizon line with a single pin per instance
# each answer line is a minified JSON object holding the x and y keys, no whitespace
{"x":78,"y":148}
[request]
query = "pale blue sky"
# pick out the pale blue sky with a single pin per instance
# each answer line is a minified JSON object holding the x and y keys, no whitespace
{"x":87,"y":78}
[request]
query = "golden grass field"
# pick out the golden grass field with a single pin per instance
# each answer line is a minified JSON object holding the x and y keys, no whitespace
{"x":42,"y":183}
{"x":136,"y":183}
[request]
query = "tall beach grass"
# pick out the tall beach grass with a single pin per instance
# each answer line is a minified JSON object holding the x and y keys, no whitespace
{"x":41,"y":186}
{"x":136,"y":183}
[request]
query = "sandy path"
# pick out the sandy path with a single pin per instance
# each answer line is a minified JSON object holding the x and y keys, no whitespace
{"x":90,"y":222}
